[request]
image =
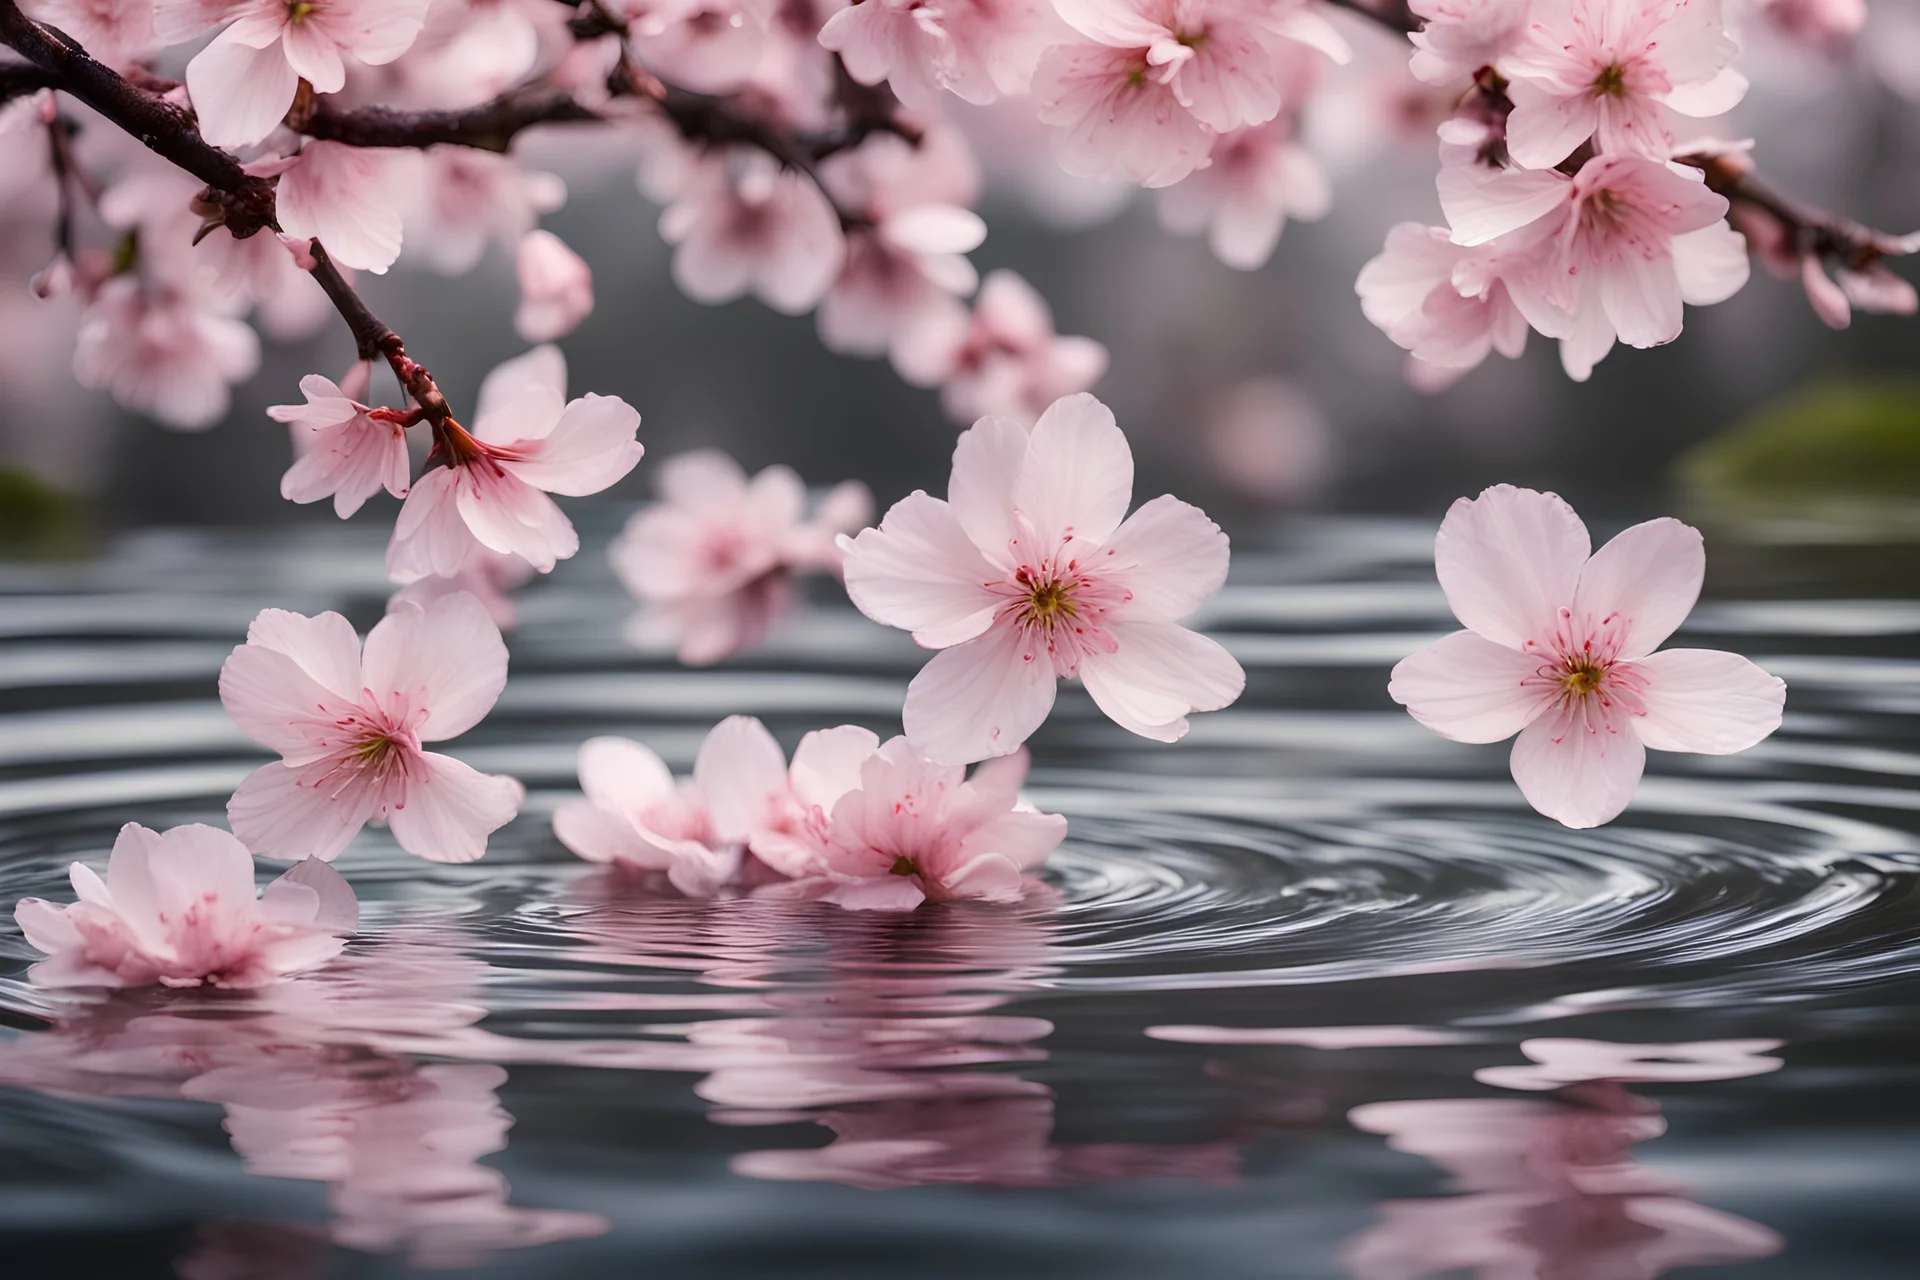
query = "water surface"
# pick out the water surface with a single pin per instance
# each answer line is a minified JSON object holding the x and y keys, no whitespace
{"x":1263,"y":1018}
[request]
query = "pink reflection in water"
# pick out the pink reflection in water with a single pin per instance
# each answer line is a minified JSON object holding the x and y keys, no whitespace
{"x":313,"y":1087}
{"x":1550,"y":1188}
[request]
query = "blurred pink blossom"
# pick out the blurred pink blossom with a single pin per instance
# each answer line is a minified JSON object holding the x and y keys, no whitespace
{"x":1461,"y":36}
{"x":178,"y":908}
{"x":350,"y":729}
{"x":977,"y":49}
{"x":164,"y":351}
{"x":461,"y":198}
{"x":347,"y":198}
{"x":743,"y":224}
{"x":556,"y":288}
{"x":1026,"y":575}
{"x":637,"y":816}
{"x":712,"y":563}
{"x":1005,"y":359}
{"x":1559,"y":649}
{"x":1258,"y":178}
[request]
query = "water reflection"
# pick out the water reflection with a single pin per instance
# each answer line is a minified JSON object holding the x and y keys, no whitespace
{"x":1549,"y":1188}
{"x":312,"y":1088}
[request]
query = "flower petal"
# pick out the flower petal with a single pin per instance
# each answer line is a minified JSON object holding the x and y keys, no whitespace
{"x":978,"y":699}
{"x":1156,"y":674}
{"x":240,"y":93}
{"x":324,"y":646}
{"x":1170,"y":557}
{"x":1468,"y":688}
{"x":277,"y":816}
{"x":827,"y":764}
{"x":986,"y":463}
{"x":742,"y":773}
{"x":449,"y":813}
{"x":589,"y":448}
{"x":1509,"y":561}
{"x":1650,"y":577}
{"x":1707,"y":701}
{"x":919,"y":571}
{"x":444,"y":662}
{"x":1078,"y":475}
{"x":1579,"y":764}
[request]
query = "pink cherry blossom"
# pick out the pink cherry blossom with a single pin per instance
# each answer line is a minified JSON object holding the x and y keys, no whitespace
{"x":636,"y":815}
{"x":1004,"y":360}
{"x":116,"y":32}
{"x":462,"y":198}
{"x":1826,"y":26}
{"x":902,"y":830}
{"x":243,"y":83}
{"x":350,"y":728}
{"x":780,"y":812}
{"x":1612,"y":71}
{"x":528,"y":441}
{"x":713,"y":562}
{"x":1628,"y":241}
{"x":265,"y":269}
{"x":745,"y":225}
{"x":1413,"y":292}
{"x":556,"y":288}
{"x":1114,"y":117}
{"x":347,"y":198}
{"x":977,"y":49}
{"x":1559,"y":649}
{"x":708,"y":45}
{"x":178,"y":908}
{"x":342,"y":449}
{"x":168,"y":352}
{"x":1461,"y":36}
{"x":1257,"y":179}
{"x":1026,"y":574}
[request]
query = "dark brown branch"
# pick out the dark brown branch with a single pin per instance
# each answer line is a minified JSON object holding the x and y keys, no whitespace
{"x":376,"y":340}
{"x":245,"y":203}
{"x":491,"y":126}
{"x":18,"y":79}
{"x":1811,"y":230}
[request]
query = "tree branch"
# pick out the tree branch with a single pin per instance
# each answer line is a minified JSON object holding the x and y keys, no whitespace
{"x":491,"y":126}
{"x":1392,"y":14}
{"x":376,"y":340}
{"x":1812,"y":230}
{"x":245,"y":203}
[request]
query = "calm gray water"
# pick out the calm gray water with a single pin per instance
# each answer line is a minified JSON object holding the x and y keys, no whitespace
{"x":1251,"y":1027}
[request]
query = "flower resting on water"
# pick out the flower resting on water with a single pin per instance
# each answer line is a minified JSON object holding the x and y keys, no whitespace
{"x":350,"y":728}
{"x":1559,"y":649}
{"x":1026,"y":574}
{"x":178,"y":908}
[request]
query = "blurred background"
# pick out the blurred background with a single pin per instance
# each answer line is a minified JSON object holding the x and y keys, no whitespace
{"x":1249,"y":392}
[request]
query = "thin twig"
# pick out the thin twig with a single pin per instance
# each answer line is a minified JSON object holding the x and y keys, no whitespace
{"x":1814,"y":230}
{"x":376,"y":340}
{"x":491,"y":126}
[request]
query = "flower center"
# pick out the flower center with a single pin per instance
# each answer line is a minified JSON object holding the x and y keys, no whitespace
{"x":300,"y":10}
{"x":1611,"y":82}
{"x":1048,"y":602}
{"x":904,"y":865}
{"x":1581,"y":677}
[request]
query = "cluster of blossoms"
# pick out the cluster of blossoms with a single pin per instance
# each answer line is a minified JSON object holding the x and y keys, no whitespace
{"x":1583,"y":198}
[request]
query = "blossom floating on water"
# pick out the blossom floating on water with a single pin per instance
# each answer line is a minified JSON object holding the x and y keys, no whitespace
{"x":1026,"y":574}
{"x":713,"y":562}
{"x":350,"y":728}
{"x":178,"y":908}
{"x":1559,"y":649}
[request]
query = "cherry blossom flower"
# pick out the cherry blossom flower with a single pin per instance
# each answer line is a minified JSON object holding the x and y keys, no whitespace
{"x":179,"y":908}
{"x":745,"y":225}
{"x":782,"y":812}
{"x":1005,"y":359}
{"x":289,"y":304}
{"x":168,"y":352}
{"x":977,"y":49}
{"x":350,"y":728}
{"x":1461,"y":36}
{"x":636,"y":815}
{"x":116,"y":32}
{"x":1026,"y":574}
{"x":1612,"y":71}
{"x":528,"y":441}
{"x":1412,"y":291}
{"x":347,"y":198}
{"x":463,"y":198}
{"x":1826,"y":26}
{"x":910,"y":831}
{"x":713,"y":562}
{"x":1559,"y":649}
{"x":341,"y":449}
{"x":1115,"y":118}
{"x":1257,"y":179}
{"x":1629,"y":240}
{"x":556,"y":288}
{"x":708,"y":45}
{"x":244,"y":82}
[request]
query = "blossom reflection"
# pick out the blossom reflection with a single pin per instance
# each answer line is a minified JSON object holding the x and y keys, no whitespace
{"x":901,"y":1051}
{"x":314,"y":1086}
{"x":1549,"y":1185}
